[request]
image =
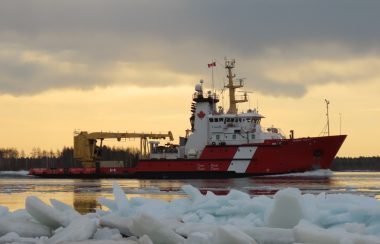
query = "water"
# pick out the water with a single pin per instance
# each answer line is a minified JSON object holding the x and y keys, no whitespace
{"x":82,"y":194}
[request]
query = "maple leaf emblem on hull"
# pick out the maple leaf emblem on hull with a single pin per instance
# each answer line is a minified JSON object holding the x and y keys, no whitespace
{"x":201,"y":115}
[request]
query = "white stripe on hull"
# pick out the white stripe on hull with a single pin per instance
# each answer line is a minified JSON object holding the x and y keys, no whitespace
{"x":241,"y":159}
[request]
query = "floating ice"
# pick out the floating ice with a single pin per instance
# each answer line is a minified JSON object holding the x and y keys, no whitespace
{"x":44,"y":213}
{"x":108,"y":203}
{"x":308,"y":233}
{"x":286,"y":211}
{"x":270,"y":235}
{"x":230,"y":234}
{"x":80,"y":229}
{"x":121,"y":201}
{"x":155,"y":229}
{"x":22,"y":173}
{"x":107,"y":234}
{"x":70,"y":212}
{"x":118,"y":222}
{"x":313,"y":173}
{"x":14,"y":238}
{"x":288,"y":217}
{"x":220,"y":235}
{"x":194,"y":194}
{"x":22,"y":227}
{"x":3,"y":211}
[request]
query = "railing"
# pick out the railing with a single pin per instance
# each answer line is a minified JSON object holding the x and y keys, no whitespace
{"x":205,"y":95}
{"x":236,"y":83}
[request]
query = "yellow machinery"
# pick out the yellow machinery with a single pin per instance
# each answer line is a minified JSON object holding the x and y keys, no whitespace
{"x":87,"y":152}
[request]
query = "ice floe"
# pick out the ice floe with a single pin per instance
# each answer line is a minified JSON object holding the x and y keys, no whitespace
{"x":21,"y":173}
{"x":313,"y":173}
{"x":287,"y":217}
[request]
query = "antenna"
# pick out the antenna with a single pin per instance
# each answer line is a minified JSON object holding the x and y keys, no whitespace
{"x":340,"y":123}
{"x":246,"y":97}
{"x":232,"y":86}
{"x":327,"y":115}
{"x":257,"y":104}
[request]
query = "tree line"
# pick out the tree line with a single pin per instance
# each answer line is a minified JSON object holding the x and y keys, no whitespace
{"x":13,"y":160}
{"x":358,"y":163}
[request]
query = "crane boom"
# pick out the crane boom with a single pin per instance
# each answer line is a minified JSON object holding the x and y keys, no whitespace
{"x":87,"y":152}
{"x":117,"y":135}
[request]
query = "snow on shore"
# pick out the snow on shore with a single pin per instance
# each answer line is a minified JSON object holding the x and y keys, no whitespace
{"x":288,"y":217}
{"x":21,"y":173}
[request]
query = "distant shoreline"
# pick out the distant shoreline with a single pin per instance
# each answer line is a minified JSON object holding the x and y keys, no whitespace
{"x":13,"y":160}
{"x":356,"y":164}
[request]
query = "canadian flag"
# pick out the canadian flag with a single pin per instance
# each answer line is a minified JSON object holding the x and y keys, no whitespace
{"x":213,"y":64}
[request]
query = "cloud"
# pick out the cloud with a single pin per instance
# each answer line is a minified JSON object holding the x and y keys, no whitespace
{"x":284,"y":47}
{"x":294,"y":76}
{"x":29,"y":71}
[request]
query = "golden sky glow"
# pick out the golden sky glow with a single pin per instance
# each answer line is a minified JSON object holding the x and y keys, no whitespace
{"x":48,"y":120}
{"x":132,"y":66}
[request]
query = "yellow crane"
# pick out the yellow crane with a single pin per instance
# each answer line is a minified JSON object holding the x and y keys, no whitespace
{"x":87,"y":152}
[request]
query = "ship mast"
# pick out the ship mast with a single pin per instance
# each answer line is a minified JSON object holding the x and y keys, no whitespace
{"x":327,"y":116}
{"x":232,"y":86}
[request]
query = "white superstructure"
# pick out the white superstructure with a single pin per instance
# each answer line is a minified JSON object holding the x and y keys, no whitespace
{"x":215,"y":127}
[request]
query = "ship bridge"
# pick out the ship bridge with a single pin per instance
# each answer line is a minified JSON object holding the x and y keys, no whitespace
{"x":234,"y":129}
{"x":210,"y":126}
{"x":250,"y":117}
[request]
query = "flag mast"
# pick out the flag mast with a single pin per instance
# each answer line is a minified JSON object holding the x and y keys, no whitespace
{"x":212,"y":77}
{"x":212,"y":65}
{"x":327,"y":115}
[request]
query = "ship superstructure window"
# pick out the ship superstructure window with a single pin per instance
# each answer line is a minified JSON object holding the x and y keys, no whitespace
{"x":234,"y":136}
{"x":257,"y":121}
{"x":214,"y":120}
{"x":217,"y":137}
{"x":252,"y":136}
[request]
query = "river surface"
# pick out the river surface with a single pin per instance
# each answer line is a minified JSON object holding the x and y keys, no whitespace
{"x":82,"y":194}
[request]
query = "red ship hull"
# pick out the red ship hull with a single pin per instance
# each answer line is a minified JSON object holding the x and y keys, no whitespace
{"x":221,"y":161}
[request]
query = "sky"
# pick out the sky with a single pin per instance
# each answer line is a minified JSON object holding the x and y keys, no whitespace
{"x":127,"y":65}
